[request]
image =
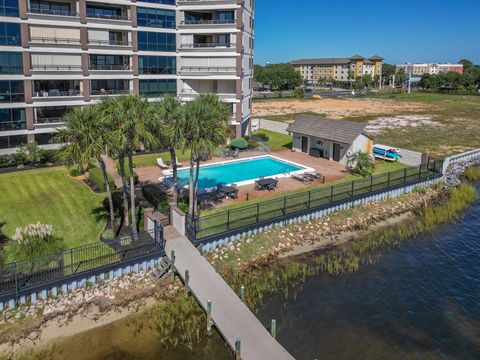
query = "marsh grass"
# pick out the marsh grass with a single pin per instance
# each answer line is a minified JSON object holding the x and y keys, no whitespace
{"x":179,"y":322}
{"x":472,"y":173}
{"x":272,"y":275}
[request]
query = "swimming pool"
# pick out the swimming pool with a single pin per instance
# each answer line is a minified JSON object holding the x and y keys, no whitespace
{"x":240,"y":172}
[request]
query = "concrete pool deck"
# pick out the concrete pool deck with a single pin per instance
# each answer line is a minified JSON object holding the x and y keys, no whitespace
{"x":332,"y":171}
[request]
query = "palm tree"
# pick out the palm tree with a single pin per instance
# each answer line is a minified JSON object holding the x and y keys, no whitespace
{"x":133,"y":127}
{"x":204,"y":127}
{"x":87,"y":137}
{"x":118,"y":149}
{"x":363,"y":163}
{"x":169,"y":113}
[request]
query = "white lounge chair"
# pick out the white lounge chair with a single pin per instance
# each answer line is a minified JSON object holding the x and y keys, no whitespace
{"x":161,"y":164}
{"x":179,"y":164}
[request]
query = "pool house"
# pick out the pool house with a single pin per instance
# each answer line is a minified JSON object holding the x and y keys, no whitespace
{"x":334,"y":140}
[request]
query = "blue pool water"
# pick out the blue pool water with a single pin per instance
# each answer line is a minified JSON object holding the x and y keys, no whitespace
{"x":235,"y":172}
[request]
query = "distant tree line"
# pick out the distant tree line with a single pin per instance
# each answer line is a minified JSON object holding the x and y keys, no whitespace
{"x":468,"y":81}
{"x":277,"y":76}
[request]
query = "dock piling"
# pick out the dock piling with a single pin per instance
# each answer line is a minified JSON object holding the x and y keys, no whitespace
{"x":209,"y":317}
{"x":274,"y":328}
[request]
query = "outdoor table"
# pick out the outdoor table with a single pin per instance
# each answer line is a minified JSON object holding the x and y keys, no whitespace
{"x":265,"y":183}
{"x":228,"y":190}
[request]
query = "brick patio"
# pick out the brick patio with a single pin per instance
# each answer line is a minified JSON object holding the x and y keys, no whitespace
{"x":331,"y":170}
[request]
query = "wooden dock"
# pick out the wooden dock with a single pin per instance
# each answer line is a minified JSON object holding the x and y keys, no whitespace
{"x":230,"y":316}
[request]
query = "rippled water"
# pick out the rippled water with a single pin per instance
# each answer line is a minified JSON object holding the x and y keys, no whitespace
{"x":419,"y":301}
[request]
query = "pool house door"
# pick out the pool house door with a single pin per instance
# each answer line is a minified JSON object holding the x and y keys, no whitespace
{"x":305,"y":144}
{"x":336,"y":152}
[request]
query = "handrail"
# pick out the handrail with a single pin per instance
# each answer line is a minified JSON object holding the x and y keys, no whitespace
{"x":208,"y":22}
{"x":53,"y":12}
{"x":206,"y":45}
{"x":44,"y":40}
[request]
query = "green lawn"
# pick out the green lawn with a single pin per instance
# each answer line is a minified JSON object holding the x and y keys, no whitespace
{"x":277,"y":141}
{"x":48,"y":196}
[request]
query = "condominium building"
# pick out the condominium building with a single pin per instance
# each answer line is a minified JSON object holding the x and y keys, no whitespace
{"x":430,"y":68}
{"x":59,"y":54}
{"x":338,"y":69}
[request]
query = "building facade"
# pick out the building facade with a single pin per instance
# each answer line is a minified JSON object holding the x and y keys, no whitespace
{"x":59,"y":54}
{"x":430,"y":68}
{"x":338,"y":69}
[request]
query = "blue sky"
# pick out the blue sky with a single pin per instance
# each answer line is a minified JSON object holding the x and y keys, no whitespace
{"x":400,"y":31}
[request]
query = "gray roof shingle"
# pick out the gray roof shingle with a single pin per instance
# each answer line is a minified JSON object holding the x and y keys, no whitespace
{"x":335,"y":130}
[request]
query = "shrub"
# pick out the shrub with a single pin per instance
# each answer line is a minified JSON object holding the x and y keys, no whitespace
{"x":239,"y":143}
{"x":472,"y":173}
{"x":261,"y":137}
{"x":299,"y":92}
{"x":74,"y":172}
{"x":49,"y":156}
{"x":12,"y":160}
{"x":35,"y":240}
{"x":96,"y":177}
{"x":253,"y":144}
{"x":156,"y":197}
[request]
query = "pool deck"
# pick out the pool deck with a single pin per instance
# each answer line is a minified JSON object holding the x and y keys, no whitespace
{"x":331,"y":170}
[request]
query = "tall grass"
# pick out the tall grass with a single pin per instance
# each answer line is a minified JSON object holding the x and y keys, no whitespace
{"x":472,"y":173}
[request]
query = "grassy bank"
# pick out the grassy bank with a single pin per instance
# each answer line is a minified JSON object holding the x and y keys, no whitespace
{"x":49,"y":196}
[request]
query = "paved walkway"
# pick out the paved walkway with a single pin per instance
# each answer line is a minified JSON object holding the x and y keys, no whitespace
{"x":232,"y":318}
{"x":112,"y":171}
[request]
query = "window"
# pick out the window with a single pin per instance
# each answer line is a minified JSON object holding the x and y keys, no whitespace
{"x":10,"y":34}
{"x":56,"y":8}
{"x":12,"y":119}
{"x":11,"y":63}
{"x":156,"y":18}
{"x":109,"y":86}
{"x":151,"y":41}
{"x":109,"y":62}
{"x":163,"y":2}
{"x":157,"y":64}
{"x":9,"y":8}
{"x":45,"y":138}
{"x":12,"y":141}
{"x":157,"y":87}
{"x":11,"y":91}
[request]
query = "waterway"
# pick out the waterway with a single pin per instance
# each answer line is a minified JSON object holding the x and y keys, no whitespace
{"x":418,"y":301}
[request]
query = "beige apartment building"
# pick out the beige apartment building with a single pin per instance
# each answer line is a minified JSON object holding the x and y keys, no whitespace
{"x":59,"y":54}
{"x":430,"y":68}
{"x":338,"y":69}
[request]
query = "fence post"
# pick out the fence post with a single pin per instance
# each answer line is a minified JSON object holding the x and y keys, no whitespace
{"x":258,"y":212}
{"x":71,"y":261}
{"x":284,"y":205}
{"x":187,"y":279}
{"x":353,"y":187}
{"x":309,"y":199}
{"x":15,"y":276}
{"x":371,"y":183}
{"x":388,"y":181}
{"x":228,"y":220}
{"x":331,"y":194}
{"x":172,"y":264}
{"x":155,"y":231}
{"x":420,"y":172}
{"x":405,"y":176}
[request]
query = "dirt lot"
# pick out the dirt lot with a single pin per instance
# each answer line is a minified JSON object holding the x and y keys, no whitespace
{"x":336,"y":108}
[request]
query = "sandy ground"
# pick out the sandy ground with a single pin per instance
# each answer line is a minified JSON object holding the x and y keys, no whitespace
{"x":335,"y":108}
{"x":399,"y":122}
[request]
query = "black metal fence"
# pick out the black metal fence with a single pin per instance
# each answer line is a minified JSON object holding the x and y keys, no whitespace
{"x":21,"y":277}
{"x":208,"y":228}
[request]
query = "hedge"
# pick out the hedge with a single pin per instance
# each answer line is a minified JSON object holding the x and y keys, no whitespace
{"x":96,"y":177}
{"x":17,"y":159}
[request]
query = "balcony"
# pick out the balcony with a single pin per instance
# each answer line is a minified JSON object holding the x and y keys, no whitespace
{"x":94,"y":42}
{"x":206,"y":2}
{"x":53,"y":67}
{"x":190,"y":94}
{"x":207,"y":70}
{"x":209,"y":47}
{"x":110,"y":67}
{"x":49,"y":121}
{"x":104,"y":92}
{"x":53,"y":12}
{"x":207,"y":19}
{"x":56,"y":41}
{"x":55,"y":93}
{"x":108,"y":16}
{"x":105,"y":87}
{"x":103,"y":13}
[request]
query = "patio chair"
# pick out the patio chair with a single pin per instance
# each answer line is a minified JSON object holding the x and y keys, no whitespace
{"x":302,"y":178}
{"x":273,"y":185}
{"x":315,"y":176}
{"x":161,"y":164}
